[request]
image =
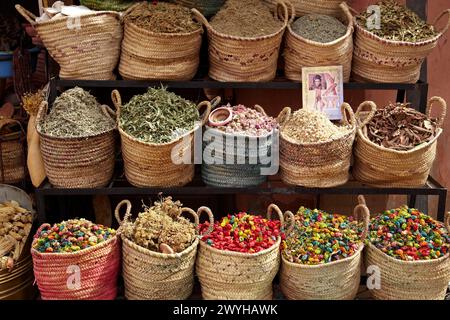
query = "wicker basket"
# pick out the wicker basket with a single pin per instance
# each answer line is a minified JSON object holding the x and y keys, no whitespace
{"x":412,"y":280}
{"x":12,"y":154}
{"x":337,"y":280}
{"x":107,"y":5}
{"x":303,"y":7}
{"x":148,"y":55}
{"x":226,"y":275}
{"x":300,"y":52}
{"x":382,"y":167}
{"x":234,"y":58}
{"x":150,"y":164}
{"x":322,"y":164}
{"x":206,"y":7}
{"x":86,"y":48}
{"x":379,"y":60}
{"x":153,"y":275}
{"x":98,"y":269}
{"x":75,"y":162}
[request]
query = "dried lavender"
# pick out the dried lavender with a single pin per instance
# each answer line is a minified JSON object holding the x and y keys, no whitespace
{"x":319,"y":27}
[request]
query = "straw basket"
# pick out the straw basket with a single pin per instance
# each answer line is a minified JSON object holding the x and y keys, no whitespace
{"x":153,"y":275}
{"x":206,"y":7}
{"x":321,"y":164}
{"x":303,"y":7}
{"x":97,"y":267}
{"x":12,"y":154}
{"x":337,"y":280}
{"x":234,"y":58}
{"x":300,"y":52}
{"x":151,"y":164}
{"x":226,"y":275}
{"x":412,"y":280}
{"x":379,"y":60}
{"x":382,"y":167}
{"x":85,"y":47}
{"x":107,"y":5}
{"x":148,"y":55}
{"x":75,"y":162}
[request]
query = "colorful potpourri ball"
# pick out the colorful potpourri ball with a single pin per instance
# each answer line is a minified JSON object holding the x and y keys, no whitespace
{"x":408,"y":234}
{"x":319,"y":237}
{"x":71,"y":236}
{"x":242,"y":232}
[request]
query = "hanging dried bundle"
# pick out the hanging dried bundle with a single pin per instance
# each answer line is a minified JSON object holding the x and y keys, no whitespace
{"x":31,"y":101}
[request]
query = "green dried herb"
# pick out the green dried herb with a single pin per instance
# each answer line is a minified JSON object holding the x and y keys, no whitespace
{"x":398,"y":23}
{"x":319,"y":27}
{"x":76,"y":113}
{"x":158,"y":116}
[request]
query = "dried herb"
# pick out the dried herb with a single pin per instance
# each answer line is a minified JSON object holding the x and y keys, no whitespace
{"x":32,"y":101}
{"x":398,"y":23}
{"x":76,"y":113}
{"x":319,"y":27}
{"x":158,"y":116}
{"x":162,"y":18}
{"x":399,"y":127}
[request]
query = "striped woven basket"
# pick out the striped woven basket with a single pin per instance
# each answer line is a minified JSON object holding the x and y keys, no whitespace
{"x":75,"y":162}
{"x":150,"y":275}
{"x":411,"y":280}
{"x":12,"y":153}
{"x":300,"y":52}
{"x":379,"y":60}
{"x":107,"y":5}
{"x":382,"y":167}
{"x":303,"y":7}
{"x":85,"y":48}
{"x":151,"y":164}
{"x":148,"y":55}
{"x":337,"y":280}
{"x":234,"y":58}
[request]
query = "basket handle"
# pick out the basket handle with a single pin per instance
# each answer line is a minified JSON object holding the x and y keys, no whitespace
{"x":42,"y":111}
{"x":205,"y":115}
{"x":443,"y":105}
{"x":108,"y":111}
{"x":284,"y":115}
{"x":192,"y":213}
{"x":346,"y":9}
{"x":361,"y":213}
{"x":4,"y":122}
{"x":345,"y":108}
{"x":260,"y":109}
{"x":29,"y":16}
{"x":447,"y":221}
{"x":289,"y":218}
{"x":131,"y":9}
{"x":127,"y":212}
{"x":165,"y":248}
{"x":116,"y":99}
{"x":359,"y":113}
{"x":447,"y":26}
{"x":200,"y":18}
{"x":215,"y":102}
{"x":285,"y":12}
{"x":273,"y":207}
{"x":210,"y":218}
{"x":38,"y":232}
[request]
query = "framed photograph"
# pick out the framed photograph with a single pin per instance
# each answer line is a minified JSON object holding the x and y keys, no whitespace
{"x":323,"y":90}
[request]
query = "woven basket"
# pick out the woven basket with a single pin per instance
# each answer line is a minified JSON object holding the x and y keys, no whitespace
{"x":12,"y":154}
{"x":322,"y":164}
{"x":98,"y":265}
{"x":412,"y":280}
{"x":303,"y":7}
{"x":226,"y":275}
{"x":150,"y":275}
{"x":75,"y":162}
{"x":150,"y":164}
{"x":148,"y":55}
{"x":107,"y":5}
{"x":234,"y":58}
{"x":337,"y":280}
{"x":206,"y":7}
{"x":382,"y":167}
{"x":379,"y":60}
{"x":85,"y":48}
{"x":300,"y":52}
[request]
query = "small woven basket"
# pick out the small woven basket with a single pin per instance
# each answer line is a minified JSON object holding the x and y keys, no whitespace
{"x":337,"y":280}
{"x":85,"y":47}
{"x":226,"y":275}
{"x":107,"y":5}
{"x":75,"y":162}
{"x":412,"y":280}
{"x":379,"y":60}
{"x":150,"y":275}
{"x":300,"y":52}
{"x":234,"y":58}
{"x":98,"y":270}
{"x":303,"y":7}
{"x":382,"y":167}
{"x":12,"y":154}
{"x":151,"y":164}
{"x":322,"y":164}
{"x":148,"y":55}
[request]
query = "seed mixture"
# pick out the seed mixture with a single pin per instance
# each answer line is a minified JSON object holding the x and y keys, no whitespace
{"x":319,"y":27}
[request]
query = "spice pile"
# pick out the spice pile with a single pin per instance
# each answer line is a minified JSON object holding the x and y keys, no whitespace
{"x":158,"y":116}
{"x":246,"y":18}
{"x":242,"y":233}
{"x":319,"y":237}
{"x":71,"y":236}
{"x":408,"y":234}
{"x":161,"y":224}
{"x":75,"y":114}
{"x":398,"y":23}
{"x":162,"y":17}
{"x":399,"y":127}
{"x":319,"y":27}
{"x":308,"y":126}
